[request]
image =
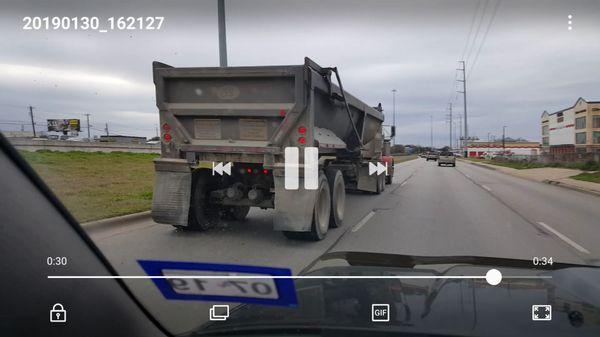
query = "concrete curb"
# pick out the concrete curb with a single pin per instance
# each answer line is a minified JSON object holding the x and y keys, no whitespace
{"x":572,"y":187}
{"x":119,"y":220}
{"x":489,"y":167}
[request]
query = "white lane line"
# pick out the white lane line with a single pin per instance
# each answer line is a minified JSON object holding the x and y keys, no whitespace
{"x":468,"y":176}
{"x":564,"y":238}
{"x":404,"y":183}
{"x":363,"y":221}
{"x":487,"y":188}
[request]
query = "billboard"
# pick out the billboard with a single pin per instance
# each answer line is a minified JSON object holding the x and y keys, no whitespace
{"x":64,"y":125}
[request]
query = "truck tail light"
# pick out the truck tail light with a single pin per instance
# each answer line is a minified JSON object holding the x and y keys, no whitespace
{"x":302,"y":140}
{"x":166,"y":127}
{"x":302,"y":129}
{"x":167,"y":137}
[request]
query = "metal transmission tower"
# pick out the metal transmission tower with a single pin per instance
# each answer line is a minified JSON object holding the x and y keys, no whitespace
{"x":32,"y":122}
{"x":394,"y":113}
{"x":464,"y":92}
{"x":222,"y":34}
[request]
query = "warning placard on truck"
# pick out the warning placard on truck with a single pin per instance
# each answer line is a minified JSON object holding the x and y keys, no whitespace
{"x":207,"y":128}
{"x":253,"y":129}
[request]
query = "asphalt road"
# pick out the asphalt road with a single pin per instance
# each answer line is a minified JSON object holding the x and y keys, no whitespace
{"x":428,"y":210}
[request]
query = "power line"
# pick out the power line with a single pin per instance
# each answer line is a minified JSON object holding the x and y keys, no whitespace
{"x":477,"y":31}
{"x":462,"y":56}
{"x":484,"y":37}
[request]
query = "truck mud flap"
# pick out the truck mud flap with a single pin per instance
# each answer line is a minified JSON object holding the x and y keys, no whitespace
{"x":366,"y":182}
{"x":172,"y":189}
{"x":293,"y":208}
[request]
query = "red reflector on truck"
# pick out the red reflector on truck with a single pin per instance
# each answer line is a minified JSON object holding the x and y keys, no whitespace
{"x":282,"y":113}
{"x":302,"y":129}
{"x":302,"y":140}
{"x":167,"y":137}
{"x":166,"y":127}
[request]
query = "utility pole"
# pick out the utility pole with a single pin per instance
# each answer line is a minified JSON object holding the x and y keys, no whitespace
{"x":431,"y":131}
{"x":464,"y":92}
{"x":32,"y":122}
{"x":394,"y":112}
{"x":504,"y":140}
{"x":106,"y":129}
{"x":222,"y":34}
{"x":88,"y":126}
{"x":450,"y":125}
{"x":460,"y":131}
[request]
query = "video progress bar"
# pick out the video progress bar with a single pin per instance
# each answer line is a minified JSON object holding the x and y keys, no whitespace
{"x":491,"y":278}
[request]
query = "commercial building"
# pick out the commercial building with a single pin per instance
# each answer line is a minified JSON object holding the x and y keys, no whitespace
{"x":512,"y":148}
{"x":572,"y":130}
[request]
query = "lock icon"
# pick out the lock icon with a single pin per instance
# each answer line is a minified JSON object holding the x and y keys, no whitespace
{"x":58,"y":314}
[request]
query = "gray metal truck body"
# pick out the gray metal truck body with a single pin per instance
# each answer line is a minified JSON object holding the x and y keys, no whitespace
{"x":248,"y":116}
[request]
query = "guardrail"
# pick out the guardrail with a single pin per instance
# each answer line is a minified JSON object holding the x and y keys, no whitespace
{"x":66,"y":146}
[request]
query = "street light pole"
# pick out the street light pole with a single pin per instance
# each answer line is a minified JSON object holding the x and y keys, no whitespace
{"x":394,"y":113}
{"x":222,"y":34}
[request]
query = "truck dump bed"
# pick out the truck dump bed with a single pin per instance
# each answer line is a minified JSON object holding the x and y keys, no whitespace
{"x":241,"y":113}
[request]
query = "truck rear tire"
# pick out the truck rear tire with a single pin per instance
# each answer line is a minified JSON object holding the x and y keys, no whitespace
{"x":321,"y":214}
{"x":337,"y":187}
{"x":380,"y":184}
{"x":201,"y":216}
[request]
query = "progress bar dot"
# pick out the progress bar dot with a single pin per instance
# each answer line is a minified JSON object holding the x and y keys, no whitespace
{"x":493,"y":277}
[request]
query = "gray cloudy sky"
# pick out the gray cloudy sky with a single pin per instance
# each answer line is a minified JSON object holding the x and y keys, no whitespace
{"x":529,"y":61}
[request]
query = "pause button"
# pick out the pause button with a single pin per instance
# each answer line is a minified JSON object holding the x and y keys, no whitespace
{"x":292,"y":168}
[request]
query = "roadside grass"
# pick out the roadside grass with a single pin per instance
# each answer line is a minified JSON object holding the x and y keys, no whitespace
{"x":522,"y":165}
{"x":400,"y":159}
{"x":97,"y":185}
{"x":588,"y":176}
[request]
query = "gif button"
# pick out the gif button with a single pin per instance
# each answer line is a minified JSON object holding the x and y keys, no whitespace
{"x":380,"y":312}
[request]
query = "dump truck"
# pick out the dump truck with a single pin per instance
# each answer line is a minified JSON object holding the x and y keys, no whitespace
{"x":225,"y":133}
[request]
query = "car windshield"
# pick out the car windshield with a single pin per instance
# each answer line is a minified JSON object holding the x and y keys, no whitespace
{"x":217,"y":152}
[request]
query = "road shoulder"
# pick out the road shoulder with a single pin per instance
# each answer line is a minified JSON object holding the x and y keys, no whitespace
{"x":547,"y":175}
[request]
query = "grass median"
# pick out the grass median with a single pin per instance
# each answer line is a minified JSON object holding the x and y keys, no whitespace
{"x":593,"y":177}
{"x":523,"y":165}
{"x":400,"y":159}
{"x":97,"y":185}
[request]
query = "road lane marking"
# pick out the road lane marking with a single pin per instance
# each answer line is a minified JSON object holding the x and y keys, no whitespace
{"x":403,"y":183}
{"x":564,"y":238}
{"x":468,"y":176}
{"x":487,"y":188}
{"x":363,"y":221}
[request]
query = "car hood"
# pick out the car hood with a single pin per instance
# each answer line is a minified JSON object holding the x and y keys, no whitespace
{"x":435,"y":306}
